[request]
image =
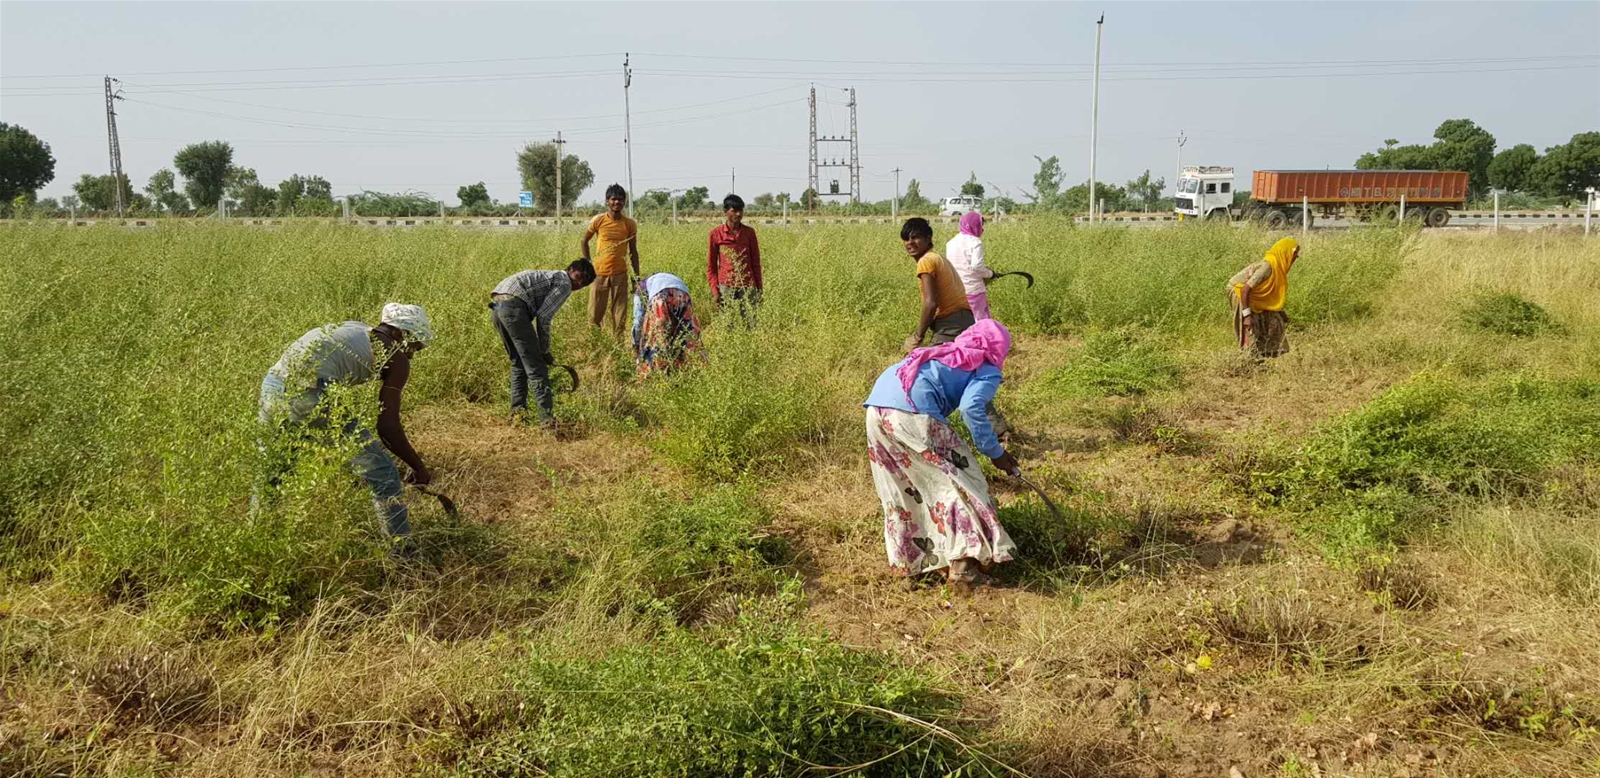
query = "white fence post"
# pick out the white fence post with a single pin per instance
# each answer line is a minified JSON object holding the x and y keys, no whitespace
{"x":1305,"y":214}
{"x":1588,"y":210}
{"x":785,"y":211}
{"x":346,"y":203}
{"x":1402,"y":209}
{"x":1496,"y":211}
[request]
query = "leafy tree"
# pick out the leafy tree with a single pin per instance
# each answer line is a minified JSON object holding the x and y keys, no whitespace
{"x":764,"y":200}
{"x":163,"y":192}
{"x":1146,"y":191}
{"x":25,"y":163}
{"x":694,"y":199}
{"x":473,"y":194}
{"x":1567,"y":170}
{"x":655,"y":199}
{"x":97,"y":193}
{"x":248,"y":195}
{"x":1509,"y":170}
{"x":537,"y":164}
{"x":204,"y":167}
{"x":1463,"y":145}
{"x":972,"y":187}
{"x":1392,"y":157}
{"x":913,"y":198}
{"x":808,"y":199}
{"x":305,"y":195}
{"x":1047,"y":182}
{"x":1076,"y":199}
{"x":783,"y":197}
{"x":70,"y":202}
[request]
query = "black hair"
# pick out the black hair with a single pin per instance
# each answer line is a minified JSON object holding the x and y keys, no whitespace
{"x":916,"y":226}
{"x":616,"y":190}
{"x":583,"y":266}
{"x":733,"y":201}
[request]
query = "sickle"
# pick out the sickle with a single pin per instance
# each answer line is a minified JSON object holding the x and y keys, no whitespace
{"x":1026,"y":276}
{"x":571,"y":372}
{"x":446,"y":503}
{"x":1048,"y":503}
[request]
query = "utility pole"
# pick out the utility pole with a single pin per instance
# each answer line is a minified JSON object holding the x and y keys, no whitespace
{"x":811,"y":167}
{"x":113,"y":142}
{"x":559,"y":143}
{"x":627,"y":128}
{"x":1179,"y":175}
{"x":855,"y":152}
{"x":1094,"y":111}
{"x":894,"y":205}
{"x":733,"y":180}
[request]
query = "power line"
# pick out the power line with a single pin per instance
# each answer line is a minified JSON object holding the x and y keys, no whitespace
{"x":288,"y":68}
{"x":1185,"y":65}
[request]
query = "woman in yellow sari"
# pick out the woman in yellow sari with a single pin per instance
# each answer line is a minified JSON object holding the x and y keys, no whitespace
{"x":1257,"y":294}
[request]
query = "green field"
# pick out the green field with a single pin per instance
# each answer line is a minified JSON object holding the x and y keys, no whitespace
{"x":1378,"y":553}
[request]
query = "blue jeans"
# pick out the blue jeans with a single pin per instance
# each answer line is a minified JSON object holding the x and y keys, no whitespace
{"x":281,"y":414}
{"x":514,"y":322}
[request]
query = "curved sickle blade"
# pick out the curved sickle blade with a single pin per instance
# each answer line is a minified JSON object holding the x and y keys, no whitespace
{"x":1048,"y":503}
{"x":446,"y":503}
{"x":1025,"y":276}
{"x":571,"y":371}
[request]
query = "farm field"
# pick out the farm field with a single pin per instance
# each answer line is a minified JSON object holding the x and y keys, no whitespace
{"x":1377,"y":555}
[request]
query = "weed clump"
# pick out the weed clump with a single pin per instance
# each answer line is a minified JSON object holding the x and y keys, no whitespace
{"x":762,"y":700}
{"x":1123,"y":362}
{"x":1506,"y":313}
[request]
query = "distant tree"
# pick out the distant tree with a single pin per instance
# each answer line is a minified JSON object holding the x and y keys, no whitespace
{"x":1392,"y":157}
{"x":204,"y":167}
{"x":1459,"y":144}
{"x":1567,"y":170}
{"x":1076,"y":199}
{"x":26,"y":163}
{"x":655,"y":199}
{"x":1047,"y":182}
{"x":247,"y":195}
{"x":473,"y":194}
{"x":972,"y":187}
{"x":764,"y":200}
{"x":694,"y":199}
{"x":1510,"y":169}
{"x":305,"y":196}
{"x":1241,"y":196}
{"x":537,"y":164}
{"x":70,"y":202}
{"x":98,"y":193}
{"x":808,"y":199}
{"x":783,"y":197}
{"x":1146,"y":191}
{"x":913,"y":199}
{"x":162,"y":189}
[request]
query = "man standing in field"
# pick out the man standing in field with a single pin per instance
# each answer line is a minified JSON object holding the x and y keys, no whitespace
{"x":347,"y":354}
{"x":524,"y":306}
{"x":945,"y":309}
{"x":618,"y":238}
{"x":733,"y":260}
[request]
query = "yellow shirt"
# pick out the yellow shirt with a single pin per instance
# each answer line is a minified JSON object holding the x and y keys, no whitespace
{"x":610,"y":255}
{"x":949,"y":295}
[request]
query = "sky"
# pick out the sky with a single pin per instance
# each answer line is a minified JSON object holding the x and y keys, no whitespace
{"x":428,"y":96}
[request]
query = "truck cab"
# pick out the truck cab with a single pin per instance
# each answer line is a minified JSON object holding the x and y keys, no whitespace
{"x":1205,"y":192}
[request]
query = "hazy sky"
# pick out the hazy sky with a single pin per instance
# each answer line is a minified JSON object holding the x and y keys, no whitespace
{"x":432,"y":95}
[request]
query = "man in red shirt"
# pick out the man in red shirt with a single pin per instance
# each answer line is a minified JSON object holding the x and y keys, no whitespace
{"x":733,"y":260}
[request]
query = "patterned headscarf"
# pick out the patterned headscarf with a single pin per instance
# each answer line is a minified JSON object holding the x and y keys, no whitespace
{"x":411,"y":319}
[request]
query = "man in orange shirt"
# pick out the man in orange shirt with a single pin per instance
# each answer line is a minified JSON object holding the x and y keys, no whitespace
{"x":618,"y":237}
{"x":945,"y":309}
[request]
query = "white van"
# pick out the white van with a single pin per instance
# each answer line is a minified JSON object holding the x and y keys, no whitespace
{"x":960,"y":204}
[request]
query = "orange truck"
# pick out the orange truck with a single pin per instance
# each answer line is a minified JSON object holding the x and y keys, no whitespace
{"x":1278,"y":197}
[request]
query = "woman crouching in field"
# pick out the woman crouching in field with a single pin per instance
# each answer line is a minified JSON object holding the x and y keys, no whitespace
{"x":665,"y":330}
{"x":1258,"y":294}
{"x":937,"y":513}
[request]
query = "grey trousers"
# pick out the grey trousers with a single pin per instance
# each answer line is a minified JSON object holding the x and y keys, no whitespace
{"x":514,"y":322}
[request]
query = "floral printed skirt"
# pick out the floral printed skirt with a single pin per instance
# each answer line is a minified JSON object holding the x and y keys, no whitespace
{"x":936,"y":504}
{"x":669,"y":335}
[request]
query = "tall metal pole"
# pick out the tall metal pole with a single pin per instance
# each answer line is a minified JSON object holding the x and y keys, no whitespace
{"x":894,"y":205}
{"x":811,"y":167}
{"x":733,"y":180}
{"x":114,"y":143}
{"x":1094,"y":111}
{"x":559,"y":143}
{"x":627,"y":126}
{"x":855,"y":152}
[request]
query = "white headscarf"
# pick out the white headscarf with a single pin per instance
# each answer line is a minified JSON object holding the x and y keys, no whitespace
{"x":411,"y":319}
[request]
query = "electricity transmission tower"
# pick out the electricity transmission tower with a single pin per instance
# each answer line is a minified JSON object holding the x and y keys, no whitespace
{"x":851,"y":163}
{"x":111,"y":140}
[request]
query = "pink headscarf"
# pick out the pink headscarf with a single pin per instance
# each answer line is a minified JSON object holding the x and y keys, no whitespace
{"x":988,"y":341}
{"x":972,"y":224}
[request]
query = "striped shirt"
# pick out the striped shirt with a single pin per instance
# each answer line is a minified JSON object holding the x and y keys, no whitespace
{"x":544,"y":292}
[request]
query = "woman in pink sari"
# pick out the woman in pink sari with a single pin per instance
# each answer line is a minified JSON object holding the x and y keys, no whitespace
{"x":937,"y":512}
{"x":965,"y":252}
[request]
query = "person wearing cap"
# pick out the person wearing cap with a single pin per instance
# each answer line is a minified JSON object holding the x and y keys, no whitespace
{"x":347,"y":354}
{"x":525,"y":306}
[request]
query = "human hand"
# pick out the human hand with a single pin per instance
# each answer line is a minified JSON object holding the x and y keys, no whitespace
{"x":421,"y":477}
{"x":1007,"y":464}
{"x":912,"y":342}
{"x":547,"y":358}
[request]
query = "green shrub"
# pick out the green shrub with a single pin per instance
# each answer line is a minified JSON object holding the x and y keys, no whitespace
{"x":1124,"y":362}
{"x":1508,"y":314}
{"x":764,"y":701}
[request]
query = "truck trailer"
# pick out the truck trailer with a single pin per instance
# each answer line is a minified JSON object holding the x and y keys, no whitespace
{"x":1277,"y":197}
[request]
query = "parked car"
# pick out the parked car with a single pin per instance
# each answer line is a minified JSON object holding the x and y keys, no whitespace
{"x":958,"y":205}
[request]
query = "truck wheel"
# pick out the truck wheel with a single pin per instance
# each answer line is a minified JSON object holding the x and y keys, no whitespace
{"x":1438,"y":217}
{"x":1387,"y":214}
{"x":1275,"y":219}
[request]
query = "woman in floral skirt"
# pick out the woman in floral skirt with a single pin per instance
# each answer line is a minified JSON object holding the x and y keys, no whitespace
{"x":937,"y":513}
